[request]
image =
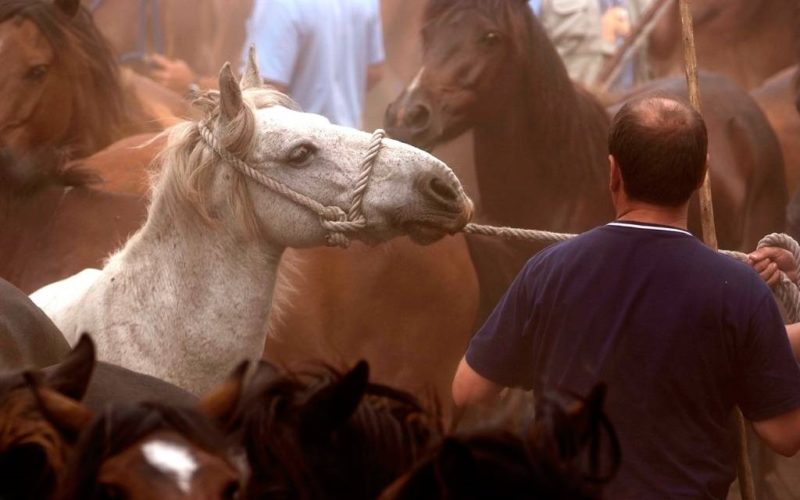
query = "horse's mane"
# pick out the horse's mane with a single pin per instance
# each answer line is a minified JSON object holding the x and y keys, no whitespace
{"x":121,"y":426}
{"x":388,"y":431}
{"x":188,"y":165}
{"x":40,"y":169}
{"x":89,"y":64}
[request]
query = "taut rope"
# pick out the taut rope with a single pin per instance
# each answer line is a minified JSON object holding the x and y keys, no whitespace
{"x":338,"y":222}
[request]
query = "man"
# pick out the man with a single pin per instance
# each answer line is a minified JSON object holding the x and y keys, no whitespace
{"x":324,"y":53}
{"x":586,"y":34}
{"x":679,"y":332}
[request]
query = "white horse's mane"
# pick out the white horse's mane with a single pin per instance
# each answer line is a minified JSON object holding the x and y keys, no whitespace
{"x":185,"y":168}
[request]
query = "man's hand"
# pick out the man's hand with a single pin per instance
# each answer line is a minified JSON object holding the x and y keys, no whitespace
{"x":769,"y":261}
{"x":174,"y":74}
{"x":615,"y":23}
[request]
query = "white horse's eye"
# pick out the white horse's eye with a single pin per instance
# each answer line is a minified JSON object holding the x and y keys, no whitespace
{"x":301,"y":154}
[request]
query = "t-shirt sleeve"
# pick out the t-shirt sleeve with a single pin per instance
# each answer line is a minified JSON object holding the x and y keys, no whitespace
{"x":501,"y":350}
{"x":375,"y":36}
{"x":769,"y":375}
{"x":274,"y":31}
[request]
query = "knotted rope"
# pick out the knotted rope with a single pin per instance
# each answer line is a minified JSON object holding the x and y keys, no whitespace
{"x":332,"y":218}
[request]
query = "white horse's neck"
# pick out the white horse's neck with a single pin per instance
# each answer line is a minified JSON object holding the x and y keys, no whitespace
{"x":205,"y":293}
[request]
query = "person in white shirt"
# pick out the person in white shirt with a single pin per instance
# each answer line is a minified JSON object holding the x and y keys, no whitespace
{"x":325,"y":54}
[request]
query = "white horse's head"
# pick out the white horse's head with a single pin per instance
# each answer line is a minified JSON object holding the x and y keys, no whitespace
{"x":408,"y":191}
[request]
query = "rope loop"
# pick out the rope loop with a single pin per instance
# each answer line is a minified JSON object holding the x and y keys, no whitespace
{"x":332,"y":218}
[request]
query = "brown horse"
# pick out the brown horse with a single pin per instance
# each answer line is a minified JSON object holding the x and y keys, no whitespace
{"x":33,"y":453}
{"x":479,"y":72}
{"x":747,"y":40}
{"x":322,"y":433}
{"x":776,"y":98}
{"x":142,"y":449}
{"x":60,"y":83}
{"x":55,"y":224}
{"x":569,"y":453}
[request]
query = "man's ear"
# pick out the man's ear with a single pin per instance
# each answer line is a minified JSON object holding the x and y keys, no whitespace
{"x":705,"y":171}
{"x":614,"y":175}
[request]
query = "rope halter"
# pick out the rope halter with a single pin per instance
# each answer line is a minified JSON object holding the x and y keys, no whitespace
{"x":332,"y":218}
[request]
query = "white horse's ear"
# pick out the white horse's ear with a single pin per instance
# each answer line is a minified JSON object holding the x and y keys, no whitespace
{"x":68,"y":7}
{"x":230,"y":93}
{"x":251,"y":78}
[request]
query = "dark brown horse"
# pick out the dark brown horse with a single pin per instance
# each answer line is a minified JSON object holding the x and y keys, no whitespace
{"x":569,"y":453}
{"x":55,"y":224}
{"x":33,"y":453}
{"x":746,"y":40}
{"x":321,"y":433}
{"x":540,"y":141}
{"x":143,"y":449}
{"x":60,"y":83}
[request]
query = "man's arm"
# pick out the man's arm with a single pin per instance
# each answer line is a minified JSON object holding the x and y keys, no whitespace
{"x":470,"y":388}
{"x":374,"y":75}
{"x":781,"y":433}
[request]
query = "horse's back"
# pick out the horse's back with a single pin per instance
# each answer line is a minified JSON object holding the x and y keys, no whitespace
{"x":114,"y":384}
{"x":57,"y":299}
{"x":27,"y":336}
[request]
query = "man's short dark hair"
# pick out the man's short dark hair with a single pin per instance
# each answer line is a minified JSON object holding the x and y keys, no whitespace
{"x":660,"y":144}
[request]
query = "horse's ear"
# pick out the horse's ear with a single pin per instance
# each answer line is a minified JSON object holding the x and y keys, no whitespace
{"x":67,"y":415}
{"x":220,"y":404}
{"x":71,"y":377}
{"x":331,"y":407}
{"x":230,"y":93}
{"x":251,"y":78}
{"x":68,"y":7}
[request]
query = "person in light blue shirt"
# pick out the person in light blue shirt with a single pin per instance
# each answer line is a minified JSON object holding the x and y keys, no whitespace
{"x":324,"y":53}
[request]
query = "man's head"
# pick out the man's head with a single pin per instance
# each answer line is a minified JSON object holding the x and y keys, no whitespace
{"x":659,"y":144}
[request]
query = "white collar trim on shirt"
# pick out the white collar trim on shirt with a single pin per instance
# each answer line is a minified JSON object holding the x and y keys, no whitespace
{"x":653,"y":228}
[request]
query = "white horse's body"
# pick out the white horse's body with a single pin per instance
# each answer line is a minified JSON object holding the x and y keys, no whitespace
{"x":189,"y":295}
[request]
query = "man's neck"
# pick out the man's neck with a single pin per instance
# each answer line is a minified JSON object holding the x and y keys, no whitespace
{"x":654,"y":214}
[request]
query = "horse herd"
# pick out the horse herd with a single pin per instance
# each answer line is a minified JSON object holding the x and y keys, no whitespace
{"x":212,"y":251}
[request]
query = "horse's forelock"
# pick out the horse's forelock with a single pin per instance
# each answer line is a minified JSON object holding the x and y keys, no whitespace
{"x":119,"y":427}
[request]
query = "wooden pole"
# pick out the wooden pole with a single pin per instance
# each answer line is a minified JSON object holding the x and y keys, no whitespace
{"x":612,"y":67}
{"x":743,"y":468}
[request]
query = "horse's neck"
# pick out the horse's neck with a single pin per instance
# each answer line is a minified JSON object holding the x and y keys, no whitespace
{"x":213,"y":277}
{"x":539,"y":165}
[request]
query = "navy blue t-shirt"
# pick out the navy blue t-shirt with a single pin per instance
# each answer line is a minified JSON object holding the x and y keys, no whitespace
{"x":679,"y":333}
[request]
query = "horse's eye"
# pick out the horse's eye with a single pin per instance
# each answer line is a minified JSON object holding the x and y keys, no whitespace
{"x":110,"y":492}
{"x":490,"y":39}
{"x":36,"y":73}
{"x":301,"y":154}
{"x":231,"y":491}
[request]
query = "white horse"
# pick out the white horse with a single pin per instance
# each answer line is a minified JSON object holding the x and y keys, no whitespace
{"x":189,"y":295}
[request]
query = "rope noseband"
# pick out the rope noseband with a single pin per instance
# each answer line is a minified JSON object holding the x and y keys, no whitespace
{"x":333,"y":218}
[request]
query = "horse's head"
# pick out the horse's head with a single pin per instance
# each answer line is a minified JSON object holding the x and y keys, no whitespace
{"x":262,"y":139}
{"x":148,"y":450}
{"x":55,"y":65}
{"x":323,"y":433}
{"x":33,"y":453}
{"x":470,"y":54}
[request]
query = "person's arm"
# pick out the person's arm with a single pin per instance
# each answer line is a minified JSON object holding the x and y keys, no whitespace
{"x":375,"y":51}
{"x":793,"y":332}
{"x":768,"y":376}
{"x":471,"y":388}
{"x":781,"y":433}
{"x":374,"y":75}
{"x":500,"y":354}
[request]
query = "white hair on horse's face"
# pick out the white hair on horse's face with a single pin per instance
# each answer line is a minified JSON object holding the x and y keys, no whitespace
{"x":173,"y":460}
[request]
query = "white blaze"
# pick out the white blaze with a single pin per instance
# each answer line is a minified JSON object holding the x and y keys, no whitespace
{"x":172,"y":460}
{"x":416,"y":81}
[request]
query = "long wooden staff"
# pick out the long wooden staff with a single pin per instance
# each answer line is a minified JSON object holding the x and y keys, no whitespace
{"x":743,"y":468}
